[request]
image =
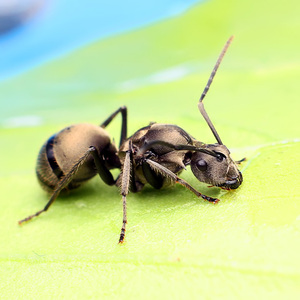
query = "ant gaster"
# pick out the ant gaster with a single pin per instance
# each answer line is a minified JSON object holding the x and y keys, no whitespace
{"x":155,"y":154}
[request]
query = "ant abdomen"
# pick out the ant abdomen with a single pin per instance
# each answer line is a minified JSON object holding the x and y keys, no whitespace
{"x":57,"y":156}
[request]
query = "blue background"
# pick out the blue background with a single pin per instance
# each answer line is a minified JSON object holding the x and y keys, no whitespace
{"x":64,"y":25}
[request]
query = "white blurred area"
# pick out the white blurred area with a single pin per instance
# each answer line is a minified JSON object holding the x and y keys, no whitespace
{"x":14,"y":13}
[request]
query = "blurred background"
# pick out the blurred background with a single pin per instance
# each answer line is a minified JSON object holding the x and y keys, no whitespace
{"x":34,"y":31}
{"x":62,"y":58}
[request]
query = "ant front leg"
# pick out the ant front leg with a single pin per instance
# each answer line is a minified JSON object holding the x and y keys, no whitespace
{"x":166,"y":172}
{"x":176,"y":147}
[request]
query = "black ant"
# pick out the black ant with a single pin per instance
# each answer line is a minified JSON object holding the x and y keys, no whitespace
{"x":155,"y":154}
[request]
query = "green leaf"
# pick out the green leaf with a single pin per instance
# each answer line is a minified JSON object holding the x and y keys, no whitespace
{"x":177,"y":246}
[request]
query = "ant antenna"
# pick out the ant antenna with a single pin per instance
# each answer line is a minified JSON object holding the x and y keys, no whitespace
{"x":212,"y":75}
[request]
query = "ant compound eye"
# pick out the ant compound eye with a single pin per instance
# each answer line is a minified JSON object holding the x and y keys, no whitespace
{"x":220,"y":157}
{"x":201,"y":165}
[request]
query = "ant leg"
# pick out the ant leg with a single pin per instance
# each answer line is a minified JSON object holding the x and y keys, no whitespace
{"x":65,"y":180}
{"x":123,"y":111}
{"x":166,"y":172}
{"x":61,"y":184}
{"x":125,"y":182}
{"x":176,"y":147}
{"x":133,"y":184}
{"x":153,"y":178}
{"x":103,"y":172}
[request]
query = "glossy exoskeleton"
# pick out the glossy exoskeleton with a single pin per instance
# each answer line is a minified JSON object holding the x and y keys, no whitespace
{"x":157,"y":153}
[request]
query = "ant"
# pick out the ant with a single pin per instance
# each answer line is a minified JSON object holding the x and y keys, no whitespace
{"x":154,"y":154}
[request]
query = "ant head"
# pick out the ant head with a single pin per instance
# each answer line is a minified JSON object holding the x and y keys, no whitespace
{"x":217,"y":169}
